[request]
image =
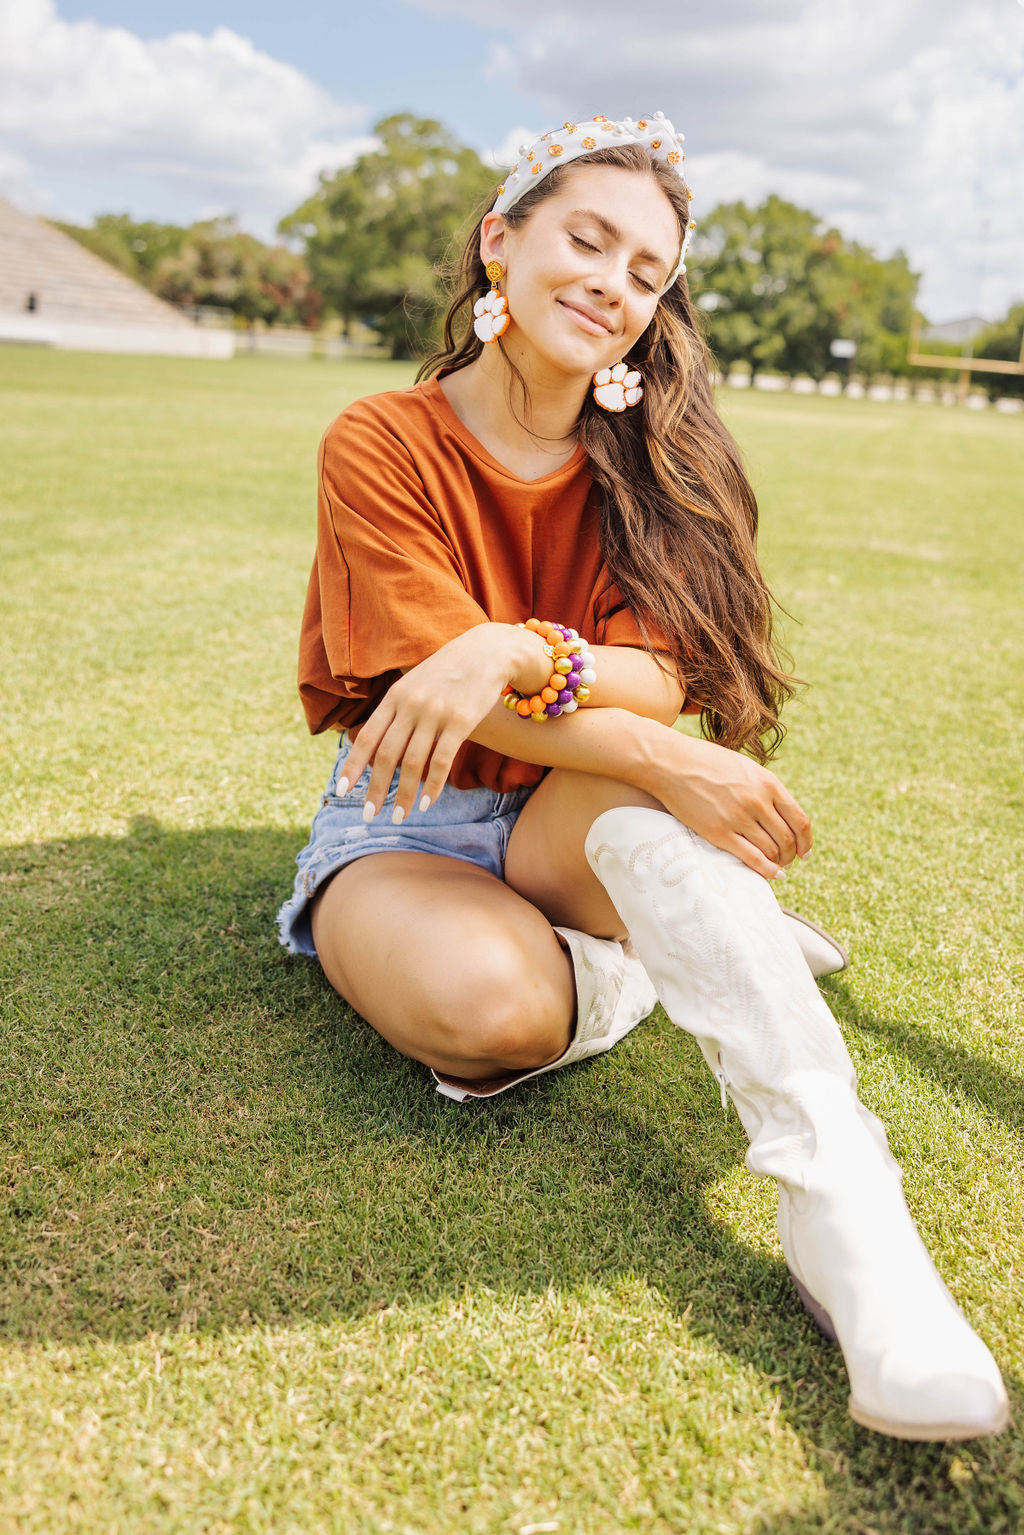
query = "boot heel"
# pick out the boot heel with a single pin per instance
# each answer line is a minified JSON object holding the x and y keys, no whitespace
{"x":818,"y":1312}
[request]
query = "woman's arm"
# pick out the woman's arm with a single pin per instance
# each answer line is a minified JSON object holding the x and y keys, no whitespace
{"x":630,"y":678}
{"x":453,"y":697}
{"x":627,"y":677}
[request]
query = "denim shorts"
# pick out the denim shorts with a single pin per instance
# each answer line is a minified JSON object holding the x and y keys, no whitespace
{"x":471,"y":824}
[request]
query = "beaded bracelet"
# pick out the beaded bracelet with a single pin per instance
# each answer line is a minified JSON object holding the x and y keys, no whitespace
{"x":572,"y":670}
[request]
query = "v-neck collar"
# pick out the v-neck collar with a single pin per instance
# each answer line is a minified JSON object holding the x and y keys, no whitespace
{"x":439,"y":402}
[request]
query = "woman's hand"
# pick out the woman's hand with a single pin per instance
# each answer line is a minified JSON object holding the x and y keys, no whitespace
{"x":426,"y":715}
{"x":731,"y":802}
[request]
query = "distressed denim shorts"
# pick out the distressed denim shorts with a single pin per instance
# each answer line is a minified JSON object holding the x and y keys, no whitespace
{"x":472,"y":824}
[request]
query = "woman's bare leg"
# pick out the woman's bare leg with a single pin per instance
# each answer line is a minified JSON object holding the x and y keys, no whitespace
{"x":451,"y":966}
{"x":545,"y":862}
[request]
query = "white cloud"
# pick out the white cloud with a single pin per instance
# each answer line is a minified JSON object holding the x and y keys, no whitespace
{"x":205,"y":117}
{"x":900,"y":121}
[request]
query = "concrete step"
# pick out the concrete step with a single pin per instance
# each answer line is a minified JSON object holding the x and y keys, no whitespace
{"x":69,"y":282}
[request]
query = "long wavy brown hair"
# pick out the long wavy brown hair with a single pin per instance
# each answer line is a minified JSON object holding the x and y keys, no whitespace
{"x":678,"y":516}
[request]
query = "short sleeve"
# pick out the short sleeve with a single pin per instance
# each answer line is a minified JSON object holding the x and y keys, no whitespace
{"x":386,"y":589}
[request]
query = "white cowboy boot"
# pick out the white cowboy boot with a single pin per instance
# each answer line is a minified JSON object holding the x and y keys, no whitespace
{"x":728,"y":970}
{"x":613,"y":995}
{"x":823,"y":955}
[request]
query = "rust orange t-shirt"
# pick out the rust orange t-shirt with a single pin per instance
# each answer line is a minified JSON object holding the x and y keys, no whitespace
{"x":422,"y":534}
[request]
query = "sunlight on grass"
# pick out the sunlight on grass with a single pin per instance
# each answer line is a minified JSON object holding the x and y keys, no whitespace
{"x":256,"y":1275}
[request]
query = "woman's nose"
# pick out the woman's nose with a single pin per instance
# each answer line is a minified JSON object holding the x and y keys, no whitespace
{"x":607,"y":286}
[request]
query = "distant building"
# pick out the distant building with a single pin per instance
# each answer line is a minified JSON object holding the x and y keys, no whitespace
{"x":957,"y":331}
{"x":54,"y":292}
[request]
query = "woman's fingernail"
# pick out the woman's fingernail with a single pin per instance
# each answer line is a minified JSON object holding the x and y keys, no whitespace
{"x":342,"y":786}
{"x":369,"y":810}
{"x":425,"y":801}
{"x":399,"y":815}
{"x":779,"y":874}
{"x":808,"y":853}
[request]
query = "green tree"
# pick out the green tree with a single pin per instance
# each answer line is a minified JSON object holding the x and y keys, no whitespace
{"x":136,"y":249}
{"x":1002,"y":342}
{"x":219,"y":264}
{"x":376,"y":231}
{"x":779,"y":288}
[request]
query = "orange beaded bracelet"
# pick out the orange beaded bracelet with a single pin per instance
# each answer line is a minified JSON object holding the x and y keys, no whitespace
{"x":572,"y":672}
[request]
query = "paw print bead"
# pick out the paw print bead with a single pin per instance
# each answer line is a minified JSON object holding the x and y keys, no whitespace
{"x":588,"y":143}
{"x":501,"y":189}
{"x":537,"y":169}
{"x":615,"y":388}
{"x":554,"y":149}
{"x":656,"y":143}
{"x":491,"y":316}
{"x":569,"y":127}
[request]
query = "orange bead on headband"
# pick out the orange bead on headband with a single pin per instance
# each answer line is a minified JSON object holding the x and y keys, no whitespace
{"x":560,"y":145}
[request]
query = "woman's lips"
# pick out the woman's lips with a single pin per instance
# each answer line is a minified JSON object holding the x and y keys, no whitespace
{"x":584,"y":321}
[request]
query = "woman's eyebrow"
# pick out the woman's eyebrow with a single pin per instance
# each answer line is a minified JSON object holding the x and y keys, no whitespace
{"x":613,"y":233}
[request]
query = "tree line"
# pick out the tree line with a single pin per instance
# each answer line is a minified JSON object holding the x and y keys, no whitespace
{"x":377,"y":242}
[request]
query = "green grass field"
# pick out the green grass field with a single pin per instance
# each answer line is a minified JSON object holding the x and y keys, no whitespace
{"x":256,"y":1275}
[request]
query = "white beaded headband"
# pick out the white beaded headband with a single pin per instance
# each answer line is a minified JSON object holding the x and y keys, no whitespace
{"x":655,"y":133}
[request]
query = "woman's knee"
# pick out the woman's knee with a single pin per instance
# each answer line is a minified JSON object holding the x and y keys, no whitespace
{"x":506,"y":1009}
{"x":481,"y":982}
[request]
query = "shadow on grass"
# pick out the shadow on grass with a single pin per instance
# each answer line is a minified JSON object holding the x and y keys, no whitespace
{"x":206,"y":1138}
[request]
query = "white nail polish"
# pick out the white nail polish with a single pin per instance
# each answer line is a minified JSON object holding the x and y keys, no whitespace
{"x":424,"y":802}
{"x":779,"y":874}
{"x":342,"y":786}
{"x":399,"y":815}
{"x":368,"y":810}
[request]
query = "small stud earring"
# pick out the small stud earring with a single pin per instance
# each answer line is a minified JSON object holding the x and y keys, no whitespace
{"x":491,"y":314}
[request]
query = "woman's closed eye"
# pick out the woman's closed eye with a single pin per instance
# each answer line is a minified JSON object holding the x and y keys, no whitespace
{"x":646,"y":286}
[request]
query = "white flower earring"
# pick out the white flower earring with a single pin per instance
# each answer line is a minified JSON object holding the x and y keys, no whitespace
{"x":615,"y":388}
{"x":491,"y":312}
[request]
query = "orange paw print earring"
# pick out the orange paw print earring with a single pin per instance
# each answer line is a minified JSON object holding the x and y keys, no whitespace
{"x":616,"y":388}
{"x":491,"y":314}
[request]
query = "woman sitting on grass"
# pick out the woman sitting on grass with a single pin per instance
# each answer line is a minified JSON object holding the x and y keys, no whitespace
{"x":528,"y":564}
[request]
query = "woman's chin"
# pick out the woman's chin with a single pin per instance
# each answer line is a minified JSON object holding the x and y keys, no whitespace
{"x":577,"y":362}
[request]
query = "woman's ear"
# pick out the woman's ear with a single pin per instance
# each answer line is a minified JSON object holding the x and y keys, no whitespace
{"x":493,"y":231}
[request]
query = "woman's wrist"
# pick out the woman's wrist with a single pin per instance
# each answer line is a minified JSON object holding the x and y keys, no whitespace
{"x":655,"y":754}
{"x":528,"y":662}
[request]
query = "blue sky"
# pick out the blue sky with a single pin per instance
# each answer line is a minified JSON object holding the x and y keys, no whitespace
{"x":899,"y":121}
{"x":437,"y":69}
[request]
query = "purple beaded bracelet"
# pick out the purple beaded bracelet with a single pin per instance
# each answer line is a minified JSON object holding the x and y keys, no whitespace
{"x":573,"y":670}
